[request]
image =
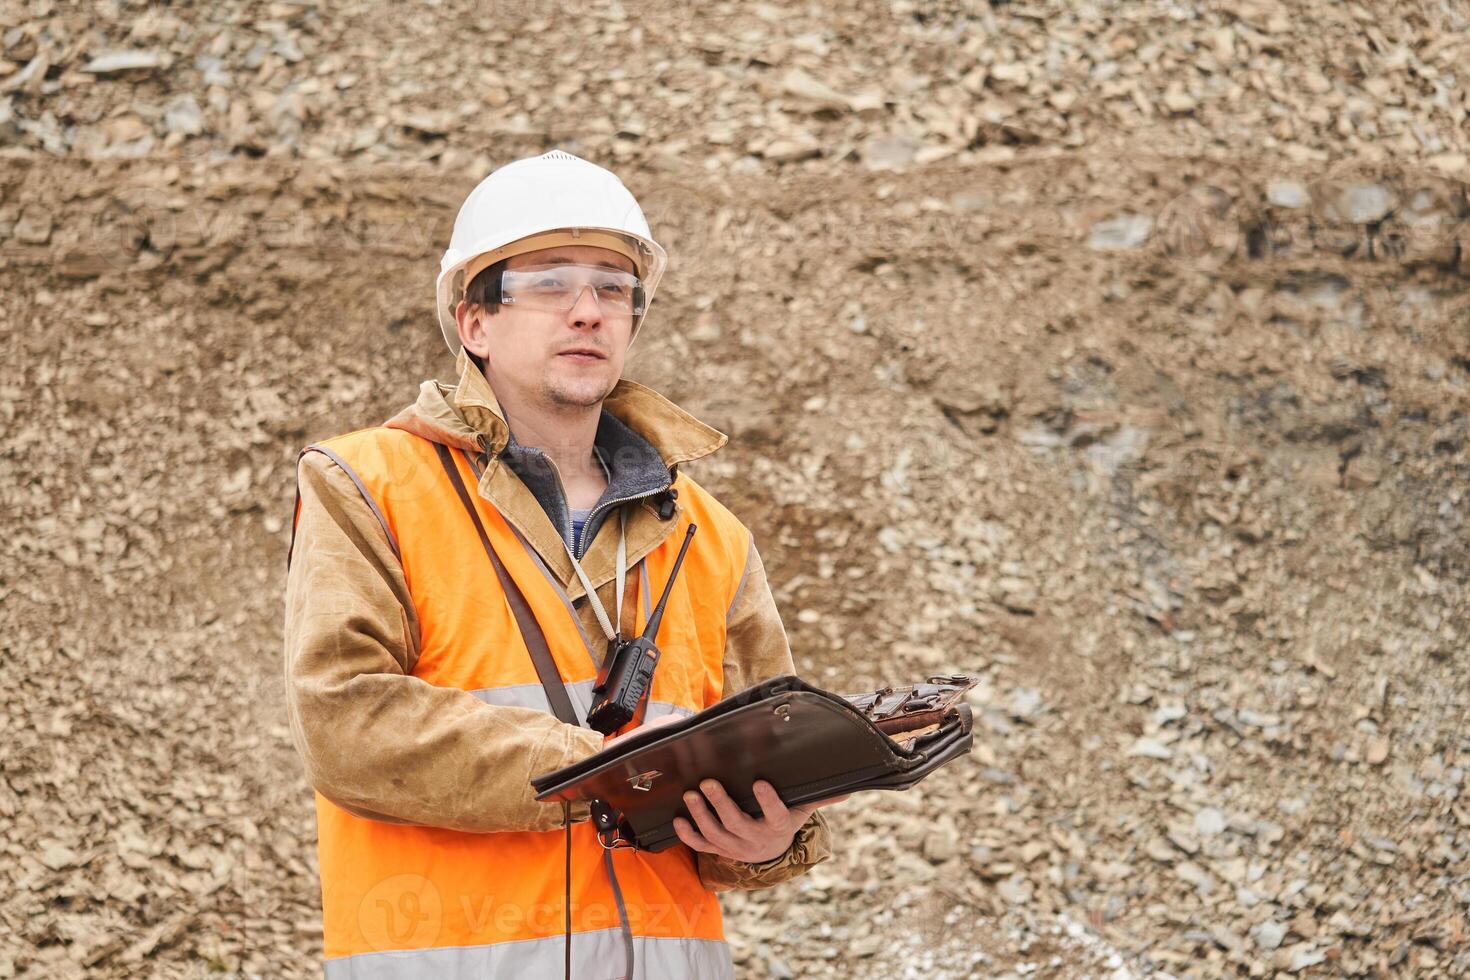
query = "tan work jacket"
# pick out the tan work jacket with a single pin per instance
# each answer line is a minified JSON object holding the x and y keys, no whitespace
{"x":349,"y":616}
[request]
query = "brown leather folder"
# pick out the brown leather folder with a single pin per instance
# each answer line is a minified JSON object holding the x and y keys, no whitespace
{"x":809,"y":743}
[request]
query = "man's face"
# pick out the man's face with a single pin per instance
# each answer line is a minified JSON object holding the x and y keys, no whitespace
{"x":529,"y":351}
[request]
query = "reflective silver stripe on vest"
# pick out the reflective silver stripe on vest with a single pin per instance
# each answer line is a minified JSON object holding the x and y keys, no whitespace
{"x":596,"y":955}
{"x":580,"y":692}
{"x":656,"y":708}
{"x":534,"y":696}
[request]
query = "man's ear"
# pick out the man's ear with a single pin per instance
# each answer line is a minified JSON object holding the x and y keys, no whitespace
{"x":470,"y":318}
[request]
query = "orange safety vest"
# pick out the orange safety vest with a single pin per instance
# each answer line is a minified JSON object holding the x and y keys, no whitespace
{"x":402,"y":901}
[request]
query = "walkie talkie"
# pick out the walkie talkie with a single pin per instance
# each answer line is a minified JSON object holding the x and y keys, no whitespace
{"x":627,"y":670}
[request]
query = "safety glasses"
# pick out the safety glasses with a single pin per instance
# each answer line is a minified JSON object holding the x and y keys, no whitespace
{"x":557,"y":288}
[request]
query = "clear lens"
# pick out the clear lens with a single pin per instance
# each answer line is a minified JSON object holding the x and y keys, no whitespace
{"x":556,"y":289}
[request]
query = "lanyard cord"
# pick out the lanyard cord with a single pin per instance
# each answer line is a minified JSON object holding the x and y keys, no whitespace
{"x":618,"y":580}
{"x":566,"y":811}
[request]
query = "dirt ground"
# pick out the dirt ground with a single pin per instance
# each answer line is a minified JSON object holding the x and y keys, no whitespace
{"x":1119,"y":354}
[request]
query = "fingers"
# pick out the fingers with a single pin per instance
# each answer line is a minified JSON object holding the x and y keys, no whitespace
{"x":686,"y":833}
{"x":709,"y":825}
{"x":775,"y":812}
{"x":718,"y":825}
{"x":734,"y":819}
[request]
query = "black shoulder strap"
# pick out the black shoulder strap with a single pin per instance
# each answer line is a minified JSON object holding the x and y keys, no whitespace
{"x":556,"y":692}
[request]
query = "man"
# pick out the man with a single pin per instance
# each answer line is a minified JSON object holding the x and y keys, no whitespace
{"x":417,"y":694}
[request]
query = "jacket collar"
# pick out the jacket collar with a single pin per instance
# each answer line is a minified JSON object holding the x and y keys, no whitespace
{"x":634,"y":467}
{"x":642,"y":437}
{"x":673,"y":433}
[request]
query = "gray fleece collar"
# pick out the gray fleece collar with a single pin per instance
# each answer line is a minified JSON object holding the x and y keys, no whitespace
{"x":634,"y":467}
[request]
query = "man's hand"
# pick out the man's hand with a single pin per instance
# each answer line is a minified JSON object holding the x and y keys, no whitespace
{"x":729,"y":831}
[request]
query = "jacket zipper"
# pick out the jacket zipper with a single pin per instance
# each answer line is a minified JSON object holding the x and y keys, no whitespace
{"x":567,"y":504}
{"x":615,"y":503}
{"x":592,"y":513}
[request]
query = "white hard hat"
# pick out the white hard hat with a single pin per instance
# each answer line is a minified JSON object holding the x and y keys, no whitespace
{"x":556,"y":198}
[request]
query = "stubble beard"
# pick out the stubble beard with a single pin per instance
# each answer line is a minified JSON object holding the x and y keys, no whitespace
{"x":581,"y":394}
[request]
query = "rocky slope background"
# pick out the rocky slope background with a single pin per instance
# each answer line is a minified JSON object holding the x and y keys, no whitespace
{"x":1119,"y":353}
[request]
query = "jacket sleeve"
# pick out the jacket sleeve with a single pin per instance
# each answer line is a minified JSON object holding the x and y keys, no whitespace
{"x":756,"y":648}
{"x":377,"y":741}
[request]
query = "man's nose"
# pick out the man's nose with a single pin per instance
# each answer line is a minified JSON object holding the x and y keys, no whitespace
{"x":585,"y":312}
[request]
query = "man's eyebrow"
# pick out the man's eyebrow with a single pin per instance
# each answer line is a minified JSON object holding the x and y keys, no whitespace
{"x":605,"y":263}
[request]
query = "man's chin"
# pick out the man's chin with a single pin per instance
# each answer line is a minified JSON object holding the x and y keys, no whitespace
{"x":581,"y":393}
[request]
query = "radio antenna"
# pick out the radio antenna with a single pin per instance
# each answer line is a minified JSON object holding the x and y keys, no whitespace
{"x":651,"y":630}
